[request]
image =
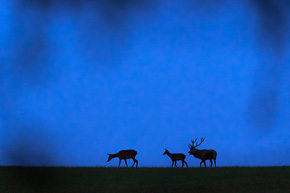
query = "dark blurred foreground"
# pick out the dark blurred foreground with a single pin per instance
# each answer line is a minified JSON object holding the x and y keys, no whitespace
{"x":85,"y":179}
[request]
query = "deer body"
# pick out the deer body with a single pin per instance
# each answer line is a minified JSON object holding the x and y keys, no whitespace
{"x":203,"y":154}
{"x":124,"y":155}
{"x":175,"y":157}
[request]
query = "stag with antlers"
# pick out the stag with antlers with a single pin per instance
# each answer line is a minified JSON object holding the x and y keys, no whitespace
{"x":203,"y":154}
{"x":175,"y":157}
{"x":125,"y":154}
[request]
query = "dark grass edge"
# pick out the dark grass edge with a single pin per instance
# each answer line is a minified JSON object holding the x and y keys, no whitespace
{"x":143,"y":167}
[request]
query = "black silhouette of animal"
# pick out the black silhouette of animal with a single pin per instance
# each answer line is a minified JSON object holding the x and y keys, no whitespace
{"x":124,"y":155}
{"x":175,"y":157}
{"x":203,"y":154}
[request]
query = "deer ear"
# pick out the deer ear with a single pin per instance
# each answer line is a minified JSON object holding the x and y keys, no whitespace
{"x":108,"y":153}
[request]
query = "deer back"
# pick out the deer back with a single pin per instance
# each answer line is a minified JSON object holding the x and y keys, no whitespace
{"x":127,"y":154}
{"x":178,"y":156}
{"x":205,"y":154}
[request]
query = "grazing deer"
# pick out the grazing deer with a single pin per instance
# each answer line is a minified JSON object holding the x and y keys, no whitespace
{"x":124,"y":154}
{"x":175,"y":157}
{"x":203,"y":154}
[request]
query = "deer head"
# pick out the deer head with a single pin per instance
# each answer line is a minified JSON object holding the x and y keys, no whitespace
{"x":166,"y":152}
{"x":192,"y":146}
{"x":110,"y":157}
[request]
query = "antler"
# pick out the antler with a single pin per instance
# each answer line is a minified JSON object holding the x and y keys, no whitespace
{"x":192,"y":144}
{"x":193,"y":141}
{"x":201,"y":140}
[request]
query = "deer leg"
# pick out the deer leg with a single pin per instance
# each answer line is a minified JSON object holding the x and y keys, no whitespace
{"x":135,"y":161}
{"x":119,"y":163}
{"x":185,"y":163}
{"x":214,"y":163}
{"x":175,"y":164}
{"x":204,"y":163}
{"x":201,"y":163}
{"x":210,"y":162}
{"x":126,"y":162}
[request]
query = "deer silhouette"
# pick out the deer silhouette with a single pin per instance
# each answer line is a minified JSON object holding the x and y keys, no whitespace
{"x":204,"y":154}
{"x":175,"y":157}
{"x":125,"y":154}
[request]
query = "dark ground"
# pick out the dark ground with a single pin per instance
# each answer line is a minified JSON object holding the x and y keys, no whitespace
{"x":98,"y":179}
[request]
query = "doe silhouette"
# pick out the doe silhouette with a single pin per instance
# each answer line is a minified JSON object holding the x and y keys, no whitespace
{"x":175,"y":157}
{"x":204,"y":154}
{"x":125,"y":154}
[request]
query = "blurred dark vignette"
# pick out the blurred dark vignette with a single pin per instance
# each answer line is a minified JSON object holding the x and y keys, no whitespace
{"x":272,"y":37}
{"x":30,"y":57}
{"x":28,"y":62}
{"x":31,"y":149}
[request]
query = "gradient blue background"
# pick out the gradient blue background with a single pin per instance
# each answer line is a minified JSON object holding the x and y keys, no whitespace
{"x":80,"y":79}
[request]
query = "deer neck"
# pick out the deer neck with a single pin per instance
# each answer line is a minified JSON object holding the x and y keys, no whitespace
{"x":195,"y":152}
{"x":115,"y":155}
{"x":169,"y":154}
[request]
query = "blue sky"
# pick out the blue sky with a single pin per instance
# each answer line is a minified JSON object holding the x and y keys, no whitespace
{"x":80,"y":79}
